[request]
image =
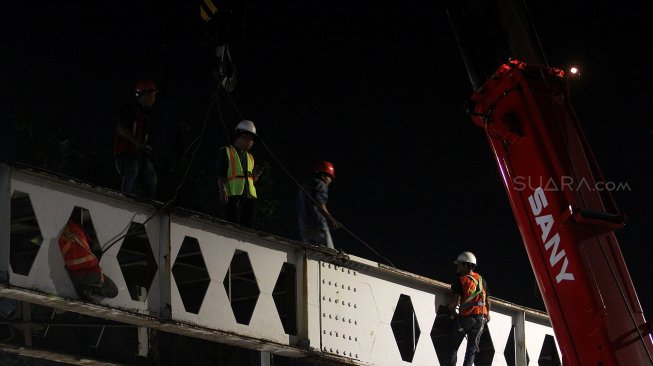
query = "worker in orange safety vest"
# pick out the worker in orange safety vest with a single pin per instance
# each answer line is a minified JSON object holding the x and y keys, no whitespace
{"x":471,"y":294}
{"x":82,"y":264}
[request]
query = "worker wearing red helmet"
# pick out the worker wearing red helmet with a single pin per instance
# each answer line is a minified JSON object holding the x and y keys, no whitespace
{"x":132,"y":150}
{"x":470,"y":292}
{"x":313,"y":218}
{"x":237,"y":175}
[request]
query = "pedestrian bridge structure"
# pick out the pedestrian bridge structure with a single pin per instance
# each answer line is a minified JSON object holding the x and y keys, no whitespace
{"x":202,"y":279}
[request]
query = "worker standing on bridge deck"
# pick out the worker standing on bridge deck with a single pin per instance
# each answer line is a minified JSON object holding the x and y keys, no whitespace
{"x":470,"y":292}
{"x":82,"y":264}
{"x":237,"y":174}
{"x":132,"y":150}
{"x":313,"y":218}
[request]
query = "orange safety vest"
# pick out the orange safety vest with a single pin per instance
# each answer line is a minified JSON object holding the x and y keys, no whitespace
{"x":474,"y":298}
{"x":76,"y":251}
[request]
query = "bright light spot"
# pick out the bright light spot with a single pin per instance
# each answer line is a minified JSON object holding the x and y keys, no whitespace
{"x":574,"y":70}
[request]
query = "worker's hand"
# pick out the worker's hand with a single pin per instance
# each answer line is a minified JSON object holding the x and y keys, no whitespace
{"x":257,"y":172}
{"x":224,"y":198}
{"x":334,"y":225}
{"x":452,"y":312}
{"x":147,"y":151}
{"x":488,"y":317}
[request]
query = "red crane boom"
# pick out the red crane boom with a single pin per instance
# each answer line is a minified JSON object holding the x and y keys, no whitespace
{"x":566,"y":215}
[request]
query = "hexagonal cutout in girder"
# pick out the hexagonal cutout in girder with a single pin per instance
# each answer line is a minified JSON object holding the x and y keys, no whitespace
{"x":405,"y":328}
{"x":485,"y":354}
{"x":25,"y":235}
{"x":137,"y":262}
{"x":285,"y":298}
{"x":445,"y":340}
{"x":549,"y":354}
{"x":242,"y":288}
{"x":191,"y":275}
{"x":510,"y":351}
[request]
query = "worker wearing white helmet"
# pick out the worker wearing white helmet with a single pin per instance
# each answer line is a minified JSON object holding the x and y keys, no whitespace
{"x":237,"y":174}
{"x":470,"y":292}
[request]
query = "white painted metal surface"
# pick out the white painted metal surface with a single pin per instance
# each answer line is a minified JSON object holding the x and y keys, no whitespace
{"x":344,"y":305}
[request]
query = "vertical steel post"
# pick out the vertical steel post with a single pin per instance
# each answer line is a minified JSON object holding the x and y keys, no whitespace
{"x":520,"y":338}
{"x":5,"y":221}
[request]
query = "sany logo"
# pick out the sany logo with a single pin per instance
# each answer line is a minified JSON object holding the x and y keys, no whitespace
{"x":538,"y":202}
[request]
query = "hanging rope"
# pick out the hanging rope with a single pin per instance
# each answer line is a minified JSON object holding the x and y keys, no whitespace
{"x":197,"y":142}
{"x":302,"y":189}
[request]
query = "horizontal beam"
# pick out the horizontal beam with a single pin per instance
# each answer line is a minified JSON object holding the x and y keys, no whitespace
{"x":190,"y":330}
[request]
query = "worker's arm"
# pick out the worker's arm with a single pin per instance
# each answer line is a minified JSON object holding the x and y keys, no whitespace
{"x":453,"y":305}
{"x":256,"y":172}
{"x":125,"y":125}
{"x":320,"y":196}
{"x":333,"y":223}
{"x":488,"y":304}
{"x":456,"y":293}
{"x":223,"y":163}
{"x":124,"y":132}
{"x":222,"y":186}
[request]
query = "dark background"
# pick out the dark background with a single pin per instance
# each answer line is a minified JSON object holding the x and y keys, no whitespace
{"x":377,"y":89}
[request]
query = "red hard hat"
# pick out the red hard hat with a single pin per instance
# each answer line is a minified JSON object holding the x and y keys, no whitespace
{"x":325,"y":167}
{"x":144,"y":86}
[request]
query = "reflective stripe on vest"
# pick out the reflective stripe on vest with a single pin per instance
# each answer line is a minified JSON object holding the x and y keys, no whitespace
{"x":236,"y":176}
{"x":474,"y":303}
{"x":75,"y":249}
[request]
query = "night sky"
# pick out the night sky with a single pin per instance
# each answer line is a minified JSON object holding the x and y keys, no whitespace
{"x":379,"y":90}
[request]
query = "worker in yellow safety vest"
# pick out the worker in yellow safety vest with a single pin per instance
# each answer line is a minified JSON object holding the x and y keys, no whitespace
{"x":237,"y":175}
{"x":471,"y":294}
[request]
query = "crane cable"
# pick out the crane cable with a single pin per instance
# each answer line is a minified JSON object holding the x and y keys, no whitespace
{"x":537,"y":37}
{"x":301,"y":187}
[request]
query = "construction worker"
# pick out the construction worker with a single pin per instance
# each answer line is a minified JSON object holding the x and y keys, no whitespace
{"x":82,"y":264}
{"x":132,"y":150}
{"x":313,"y":218}
{"x":237,"y":174}
{"x":471,"y":293}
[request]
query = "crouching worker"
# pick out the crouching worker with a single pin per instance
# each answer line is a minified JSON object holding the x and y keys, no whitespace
{"x":83,"y":266}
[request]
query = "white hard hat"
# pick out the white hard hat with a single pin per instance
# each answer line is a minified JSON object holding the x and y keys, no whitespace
{"x":246,"y":126}
{"x":466,"y":257}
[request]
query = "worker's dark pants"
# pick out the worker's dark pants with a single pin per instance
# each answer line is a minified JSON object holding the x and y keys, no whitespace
{"x":241,"y":210}
{"x":472,"y":327}
{"x":317,"y":236}
{"x":94,"y":284}
{"x":130,"y":168}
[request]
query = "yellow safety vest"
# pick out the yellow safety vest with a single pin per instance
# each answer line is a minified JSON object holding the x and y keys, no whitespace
{"x":235,"y":175}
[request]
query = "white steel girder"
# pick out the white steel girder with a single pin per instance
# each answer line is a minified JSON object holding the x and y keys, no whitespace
{"x":346,"y":309}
